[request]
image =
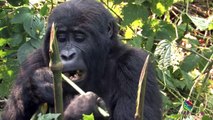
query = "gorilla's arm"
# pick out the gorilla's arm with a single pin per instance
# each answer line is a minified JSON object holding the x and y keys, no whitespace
{"x":34,"y":86}
{"x":128,"y":73}
{"x":23,"y":102}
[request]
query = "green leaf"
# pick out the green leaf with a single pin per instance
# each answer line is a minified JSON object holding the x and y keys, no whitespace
{"x":159,"y":30}
{"x":210,"y":26}
{"x":8,"y":70}
{"x":16,"y":39}
{"x":21,"y":15}
{"x":88,"y":117}
{"x":18,"y":2}
{"x":205,"y":117}
{"x":149,"y":43}
{"x":44,"y":10}
{"x":169,"y":82}
{"x":139,"y":2}
{"x":187,"y":80}
{"x":133,"y":12}
{"x":24,"y":51}
{"x":33,"y":26}
{"x":135,"y":42}
{"x":48,"y":116}
{"x":3,"y":41}
{"x":186,"y":18}
{"x":206,"y":52}
{"x":168,"y":54}
{"x":173,"y":117}
{"x":190,"y":62}
{"x":160,"y":6}
{"x":200,"y":23}
{"x":2,"y":53}
{"x":160,"y":9}
{"x":36,"y":43}
{"x":165,"y":31}
{"x":117,"y":1}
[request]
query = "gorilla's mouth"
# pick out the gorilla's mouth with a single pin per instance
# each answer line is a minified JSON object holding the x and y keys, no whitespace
{"x":75,"y":75}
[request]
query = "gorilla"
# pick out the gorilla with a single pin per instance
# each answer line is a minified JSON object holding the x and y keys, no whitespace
{"x":94,"y":59}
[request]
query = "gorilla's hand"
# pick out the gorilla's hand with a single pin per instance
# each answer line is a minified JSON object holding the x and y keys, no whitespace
{"x":42,"y":85}
{"x":82,"y":104}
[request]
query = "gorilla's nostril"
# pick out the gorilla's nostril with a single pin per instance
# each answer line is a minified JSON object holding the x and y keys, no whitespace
{"x":67,"y":56}
{"x":71,"y":56}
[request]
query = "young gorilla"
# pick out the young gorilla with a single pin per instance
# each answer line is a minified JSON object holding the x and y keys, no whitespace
{"x":94,"y":59}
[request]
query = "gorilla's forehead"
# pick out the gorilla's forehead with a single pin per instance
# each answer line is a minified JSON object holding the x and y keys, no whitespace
{"x":75,"y":13}
{"x":67,"y":16}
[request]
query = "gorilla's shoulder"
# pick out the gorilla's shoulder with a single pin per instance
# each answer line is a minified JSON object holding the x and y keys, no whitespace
{"x":132,"y":60}
{"x":133,"y":55}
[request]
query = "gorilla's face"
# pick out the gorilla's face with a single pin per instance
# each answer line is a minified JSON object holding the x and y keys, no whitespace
{"x":71,"y":46}
{"x":84,"y":33}
{"x":81,"y":48}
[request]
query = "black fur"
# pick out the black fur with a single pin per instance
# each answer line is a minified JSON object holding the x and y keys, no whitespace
{"x":112,"y":69}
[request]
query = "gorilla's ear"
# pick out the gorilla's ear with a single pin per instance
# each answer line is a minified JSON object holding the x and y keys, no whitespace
{"x":110,"y":29}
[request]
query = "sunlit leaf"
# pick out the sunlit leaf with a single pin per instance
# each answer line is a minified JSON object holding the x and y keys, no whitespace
{"x":88,"y":117}
{"x":168,"y":54}
{"x":159,"y":7}
{"x":48,"y":116}
{"x":201,"y":23}
{"x":2,"y":53}
{"x":210,"y":26}
{"x":2,"y":42}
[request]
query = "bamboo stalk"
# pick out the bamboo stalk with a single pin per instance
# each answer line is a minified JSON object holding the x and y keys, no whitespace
{"x":141,"y":92}
{"x":56,"y":66}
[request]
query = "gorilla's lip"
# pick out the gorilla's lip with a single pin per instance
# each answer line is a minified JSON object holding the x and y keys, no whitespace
{"x":76,"y":75}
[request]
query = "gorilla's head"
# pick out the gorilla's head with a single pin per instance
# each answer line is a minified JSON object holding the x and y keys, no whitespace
{"x":86,"y":32}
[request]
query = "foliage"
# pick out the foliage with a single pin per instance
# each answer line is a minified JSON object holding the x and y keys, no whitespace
{"x":21,"y":31}
{"x":177,"y":33}
{"x":48,"y":116}
{"x":181,"y":45}
{"x":88,"y":117}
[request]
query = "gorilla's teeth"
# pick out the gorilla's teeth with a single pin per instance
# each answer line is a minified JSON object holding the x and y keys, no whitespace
{"x":74,"y":75}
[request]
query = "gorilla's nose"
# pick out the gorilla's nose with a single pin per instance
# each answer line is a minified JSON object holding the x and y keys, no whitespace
{"x":67,"y":55}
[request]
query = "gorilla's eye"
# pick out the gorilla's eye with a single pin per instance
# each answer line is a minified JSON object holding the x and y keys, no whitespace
{"x":61,"y":37}
{"x":79,"y":36}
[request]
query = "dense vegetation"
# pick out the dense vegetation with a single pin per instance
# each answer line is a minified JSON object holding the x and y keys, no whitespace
{"x":177,"y":33}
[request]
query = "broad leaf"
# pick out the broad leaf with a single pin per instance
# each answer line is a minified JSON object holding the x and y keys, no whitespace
{"x":133,"y":12}
{"x":200,"y":23}
{"x":168,"y":54}
{"x":33,"y":26}
{"x":24,"y":51}
{"x":48,"y":116}
{"x":21,"y":15}
{"x":16,"y":39}
{"x":190,"y":62}
{"x":18,"y":2}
